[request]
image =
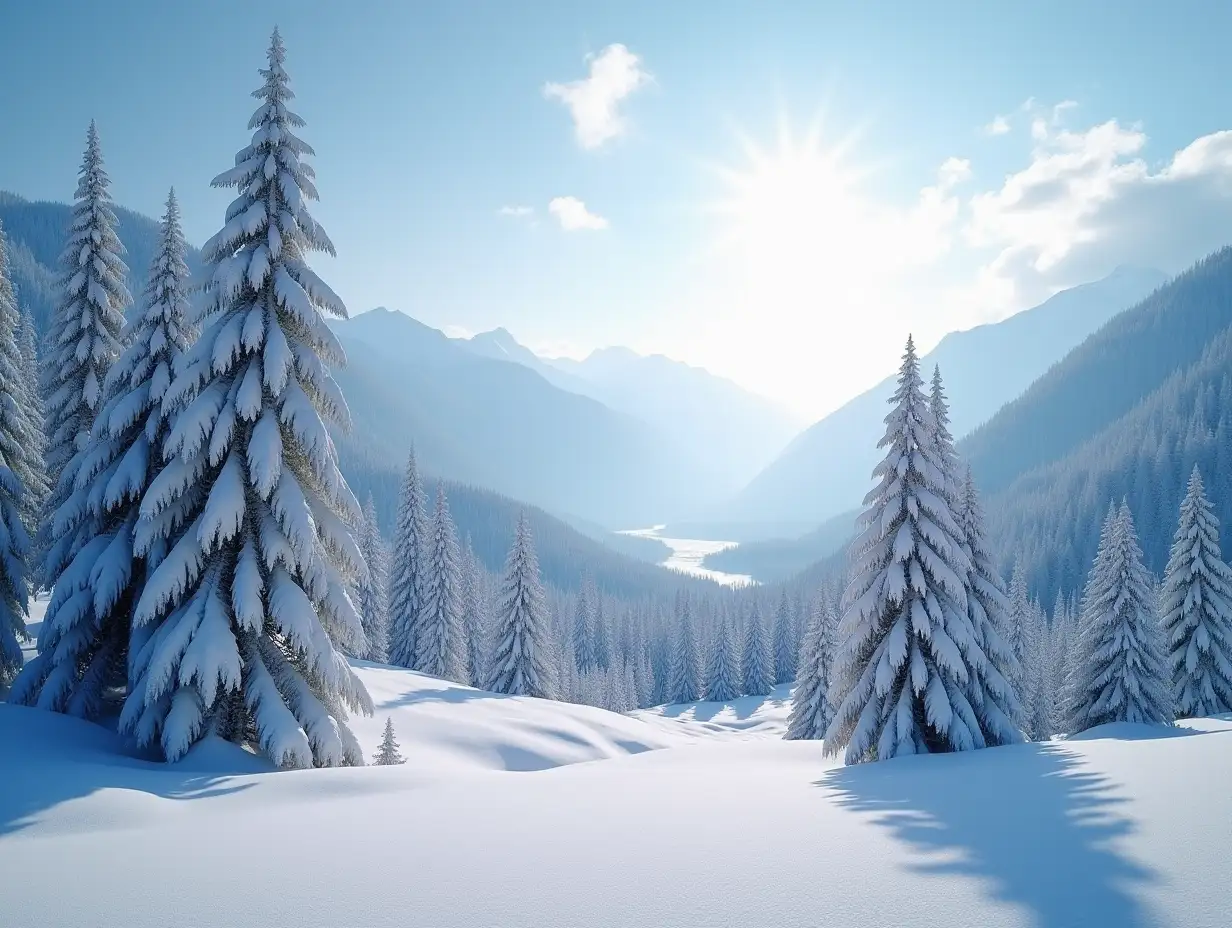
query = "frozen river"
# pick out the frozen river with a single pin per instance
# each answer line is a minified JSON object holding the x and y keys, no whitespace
{"x":687,"y":555}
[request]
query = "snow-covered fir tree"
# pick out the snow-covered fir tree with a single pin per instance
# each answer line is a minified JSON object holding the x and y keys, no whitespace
{"x":723,"y":673}
{"x":374,"y":589}
{"x":521,"y":627}
{"x":943,"y":439}
{"x":38,"y":489}
{"x":408,"y":561}
{"x":758,"y":669}
{"x":1196,"y":607}
{"x":684,"y":669}
{"x":584,"y":631}
{"x":1119,"y":673}
{"x":92,"y":647}
{"x":474,"y":617}
{"x":83,"y":340}
{"x":785,"y":644}
{"x":17,"y":473}
{"x":1021,"y":629}
{"x":810,"y":699}
{"x":250,"y":605}
{"x":910,"y":661}
{"x":993,"y":689}
{"x":439,"y":648}
{"x":387,"y":754}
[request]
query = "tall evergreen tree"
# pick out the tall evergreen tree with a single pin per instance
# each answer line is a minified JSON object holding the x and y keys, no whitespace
{"x":250,"y":605}
{"x":17,"y":474}
{"x":785,"y":644}
{"x":38,"y":489}
{"x":92,"y":646}
{"x":810,"y":700}
{"x":439,"y":648}
{"x":943,"y":440}
{"x":684,"y":668}
{"x":1021,"y":630}
{"x":474,"y":617}
{"x":758,"y":663}
{"x":82,"y":342}
{"x":374,"y":589}
{"x":519,"y":664}
{"x":407,"y":565}
{"x":1197,"y":610}
{"x":1119,"y":673}
{"x":584,"y":631}
{"x":909,"y":652}
{"x":723,"y":675}
{"x":992,"y":692}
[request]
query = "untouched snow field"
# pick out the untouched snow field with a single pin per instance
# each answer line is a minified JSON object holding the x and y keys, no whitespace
{"x":690,"y":816}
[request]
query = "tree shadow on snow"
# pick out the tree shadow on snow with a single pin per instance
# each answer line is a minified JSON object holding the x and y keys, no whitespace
{"x":1028,"y":819}
{"x":50,"y":760}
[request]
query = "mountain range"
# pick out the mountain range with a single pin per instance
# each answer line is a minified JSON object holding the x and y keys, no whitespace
{"x":736,"y":433}
{"x":826,"y":469}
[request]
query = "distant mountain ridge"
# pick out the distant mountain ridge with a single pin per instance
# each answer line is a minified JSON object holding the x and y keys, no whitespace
{"x":734,"y":432}
{"x":826,"y":469}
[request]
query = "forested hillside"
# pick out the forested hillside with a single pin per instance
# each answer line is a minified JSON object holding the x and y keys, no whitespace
{"x":36,"y":237}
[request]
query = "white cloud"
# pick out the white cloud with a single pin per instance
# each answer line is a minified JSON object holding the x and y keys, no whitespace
{"x":1000,"y":125}
{"x":594,"y":101}
{"x":1089,"y":201}
{"x":573,"y":214}
{"x":517,"y":212}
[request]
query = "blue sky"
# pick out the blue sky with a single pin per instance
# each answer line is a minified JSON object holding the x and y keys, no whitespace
{"x":697,"y":212}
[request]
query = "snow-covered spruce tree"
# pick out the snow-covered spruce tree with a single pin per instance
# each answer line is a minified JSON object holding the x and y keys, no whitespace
{"x":406,"y":570}
{"x":387,"y":754}
{"x":82,"y":341}
{"x":474,"y":617}
{"x":38,"y":489}
{"x":439,"y":648}
{"x":1196,"y":608}
{"x":90,"y":641}
{"x":723,"y":674}
{"x":786,"y":647}
{"x":943,"y":440}
{"x":1020,"y":628}
{"x":17,"y":474}
{"x":910,"y":657}
{"x":250,"y":606}
{"x":992,"y":692}
{"x":374,"y":589}
{"x":810,"y":700}
{"x":584,"y":631}
{"x":684,"y":668}
{"x":519,"y":664}
{"x":1119,"y":673}
{"x":758,"y":669}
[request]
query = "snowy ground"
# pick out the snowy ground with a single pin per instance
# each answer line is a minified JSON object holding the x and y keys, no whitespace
{"x":689,"y":816}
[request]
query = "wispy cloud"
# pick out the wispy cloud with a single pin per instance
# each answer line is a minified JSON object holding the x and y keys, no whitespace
{"x":1000,"y":125}
{"x":594,"y":101}
{"x":517,"y":212}
{"x":573,"y":215}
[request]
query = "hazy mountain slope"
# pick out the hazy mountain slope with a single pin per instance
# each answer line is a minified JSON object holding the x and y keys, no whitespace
{"x":1052,"y":514}
{"x":1105,"y":377}
{"x":783,"y":558}
{"x":502,"y":426}
{"x":826,"y":469}
{"x":621,"y":566}
{"x":733,"y":432}
{"x":36,"y":230}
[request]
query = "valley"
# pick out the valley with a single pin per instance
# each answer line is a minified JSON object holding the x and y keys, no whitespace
{"x":688,"y":555}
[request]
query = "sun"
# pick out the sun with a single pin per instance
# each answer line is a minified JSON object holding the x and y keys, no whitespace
{"x":796,"y":209}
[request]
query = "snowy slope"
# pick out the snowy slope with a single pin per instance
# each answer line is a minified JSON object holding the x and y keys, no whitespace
{"x":1124,"y":827}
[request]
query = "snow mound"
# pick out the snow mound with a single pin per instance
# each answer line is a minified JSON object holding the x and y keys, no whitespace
{"x":447,"y":728}
{"x":747,"y":716}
